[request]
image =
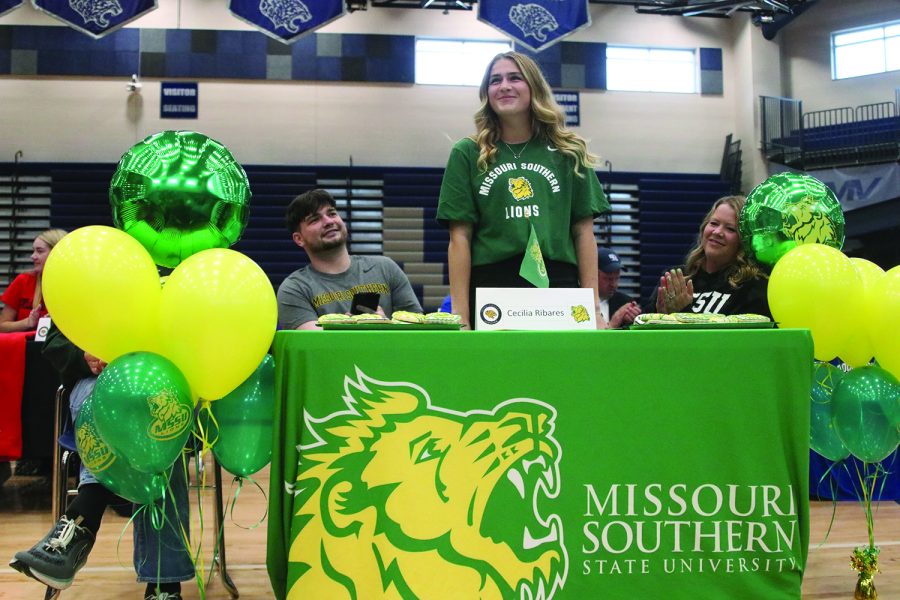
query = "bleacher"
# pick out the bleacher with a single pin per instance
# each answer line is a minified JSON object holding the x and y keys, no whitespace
{"x":412,"y":237}
{"x":671,"y":209}
{"x":391,"y":211}
{"x":836,"y":137}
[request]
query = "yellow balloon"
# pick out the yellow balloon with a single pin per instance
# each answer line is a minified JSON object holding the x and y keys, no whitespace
{"x":858,"y":350}
{"x":102,"y":291}
{"x":811,"y":287}
{"x":217,"y":318}
{"x":886,"y":317}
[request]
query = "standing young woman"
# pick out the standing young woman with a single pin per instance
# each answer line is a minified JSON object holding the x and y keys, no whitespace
{"x":23,"y":304}
{"x":522,"y":168}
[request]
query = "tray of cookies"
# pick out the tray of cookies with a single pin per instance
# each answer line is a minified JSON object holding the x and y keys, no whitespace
{"x":400,"y":320}
{"x":701,"y":321}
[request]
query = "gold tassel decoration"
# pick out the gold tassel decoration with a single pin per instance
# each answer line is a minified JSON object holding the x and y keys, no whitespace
{"x":865,"y":561}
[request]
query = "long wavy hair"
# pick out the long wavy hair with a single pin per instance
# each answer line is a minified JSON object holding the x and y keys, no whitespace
{"x":50,"y":237}
{"x":743,"y":268}
{"x":547,"y":118}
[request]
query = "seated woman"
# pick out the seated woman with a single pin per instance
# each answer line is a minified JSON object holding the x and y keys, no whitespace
{"x":717,"y":276}
{"x":161,"y":559}
{"x":23,"y":304}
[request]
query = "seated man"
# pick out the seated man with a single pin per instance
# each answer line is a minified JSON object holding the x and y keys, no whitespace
{"x":618,"y":309}
{"x":328,"y":283}
{"x":161,"y":559}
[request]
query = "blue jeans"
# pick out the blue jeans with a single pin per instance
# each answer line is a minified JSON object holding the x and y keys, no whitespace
{"x":168,"y":544}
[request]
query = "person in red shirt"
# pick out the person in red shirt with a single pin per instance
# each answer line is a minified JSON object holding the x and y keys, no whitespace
{"x":23,"y":304}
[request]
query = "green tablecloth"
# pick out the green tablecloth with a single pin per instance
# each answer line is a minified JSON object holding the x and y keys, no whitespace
{"x":623,"y":464}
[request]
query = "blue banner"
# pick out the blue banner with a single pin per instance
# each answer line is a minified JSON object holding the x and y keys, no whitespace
{"x":287,"y":20}
{"x":8,"y":5}
{"x":535,"y":24}
{"x":96,"y":18}
{"x":856,"y":187}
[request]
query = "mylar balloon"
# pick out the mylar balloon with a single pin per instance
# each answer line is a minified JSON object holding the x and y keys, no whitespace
{"x":884,"y":321}
{"x":822,"y":436}
{"x":102,"y":291}
{"x":180,"y":192}
{"x":786,"y":210}
{"x":244,"y":418}
{"x":864,"y":405}
{"x":113,"y":471}
{"x":144,"y":410}
{"x":217,"y":317}
{"x":811,"y":286}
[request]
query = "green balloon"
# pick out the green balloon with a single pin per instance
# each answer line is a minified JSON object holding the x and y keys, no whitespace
{"x":864,"y":411}
{"x":786,"y":210}
{"x":113,"y":471}
{"x":143,"y":409}
{"x":244,"y":418}
{"x":823,"y":437}
{"x":180,"y":192}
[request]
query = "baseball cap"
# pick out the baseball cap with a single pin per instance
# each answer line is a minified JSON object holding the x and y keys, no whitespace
{"x":608,"y":260}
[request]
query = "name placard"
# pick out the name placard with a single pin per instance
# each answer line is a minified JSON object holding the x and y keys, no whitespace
{"x":43,"y":327}
{"x":538,"y":309}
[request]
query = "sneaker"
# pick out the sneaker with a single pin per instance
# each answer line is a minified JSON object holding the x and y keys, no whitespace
{"x":164,"y":596}
{"x":55,"y":559}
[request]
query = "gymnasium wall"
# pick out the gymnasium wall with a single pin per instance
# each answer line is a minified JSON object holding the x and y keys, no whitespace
{"x":325,"y":123}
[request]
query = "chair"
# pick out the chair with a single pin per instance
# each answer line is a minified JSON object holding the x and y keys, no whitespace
{"x":219,"y":548}
{"x":65,"y":454}
{"x":65,"y":458}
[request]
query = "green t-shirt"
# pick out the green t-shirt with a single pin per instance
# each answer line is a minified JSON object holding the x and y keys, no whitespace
{"x":539,"y":186}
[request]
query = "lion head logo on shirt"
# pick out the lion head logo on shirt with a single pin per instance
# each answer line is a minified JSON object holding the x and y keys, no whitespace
{"x":520,"y":188}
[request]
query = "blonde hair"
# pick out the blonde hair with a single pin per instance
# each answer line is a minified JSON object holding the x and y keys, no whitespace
{"x":547,"y":118}
{"x":739,"y":272}
{"x":50,"y":237}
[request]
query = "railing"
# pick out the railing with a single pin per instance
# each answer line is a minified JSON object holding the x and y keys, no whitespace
{"x":780,"y":121}
{"x":831,"y":116}
{"x":879,"y":110}
{"x":731,"y":170}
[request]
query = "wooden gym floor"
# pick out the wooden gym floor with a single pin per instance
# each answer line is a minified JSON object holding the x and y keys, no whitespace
{"x":25,"y":518}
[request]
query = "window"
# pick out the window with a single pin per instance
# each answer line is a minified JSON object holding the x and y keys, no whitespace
{"x":866,"y":51}
{"x":454,"y":62}
{"x":634,"y":69}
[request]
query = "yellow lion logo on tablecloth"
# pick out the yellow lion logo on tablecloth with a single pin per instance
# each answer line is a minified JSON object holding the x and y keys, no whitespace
{"x":398,"y":498}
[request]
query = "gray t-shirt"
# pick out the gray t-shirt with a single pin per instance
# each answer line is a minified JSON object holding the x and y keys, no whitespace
{"x":307,"y":294}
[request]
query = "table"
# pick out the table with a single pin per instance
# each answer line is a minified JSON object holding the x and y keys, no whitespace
{"x":38,"y":403}
{"x":615,"y":464}
{"x":27,"y":386}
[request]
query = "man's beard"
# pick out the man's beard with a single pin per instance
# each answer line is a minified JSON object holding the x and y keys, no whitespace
{"x":324,"y":245}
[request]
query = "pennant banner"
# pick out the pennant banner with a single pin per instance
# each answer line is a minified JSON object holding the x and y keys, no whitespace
{"x":96,"y":18}
{"x":287,"y":20}
{"x":533,"y":269}
{"x":8,"y":5}
{"x":536,"y":24}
